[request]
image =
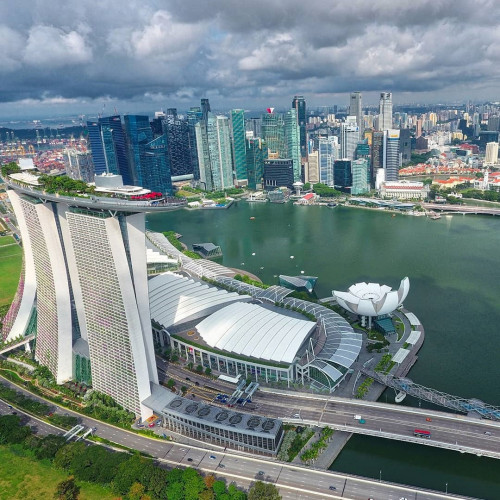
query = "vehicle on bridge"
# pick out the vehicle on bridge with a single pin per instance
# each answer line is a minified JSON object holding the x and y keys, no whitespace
{"x":422,"y":434}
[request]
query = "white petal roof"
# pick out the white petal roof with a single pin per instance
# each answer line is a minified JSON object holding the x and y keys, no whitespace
{"x":254,"y":331}
{"x":174,"y":299}
{"x":372,"y":299}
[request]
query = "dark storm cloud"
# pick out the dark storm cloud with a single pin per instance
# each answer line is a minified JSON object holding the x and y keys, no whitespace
{"x":153,"y":49}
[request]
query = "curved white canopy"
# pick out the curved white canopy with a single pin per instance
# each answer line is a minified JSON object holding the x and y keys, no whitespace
{"x":254,"y":331}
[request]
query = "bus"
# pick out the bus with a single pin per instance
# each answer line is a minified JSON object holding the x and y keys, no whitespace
{"x":421,"y":433}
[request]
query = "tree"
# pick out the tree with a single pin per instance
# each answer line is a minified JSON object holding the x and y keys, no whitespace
{"x":67,"y":489}
{"x":170,"y":383}
{"x":184,"y":389}
{"x":136,"y":492}
{"x":199,"y":369}
{"x":307,"y":186}
{"x":49,"y":446}
{"x":209,"y":481}
{"x":234,"y":493}
{"x":65,"y":455}
{"x":263,"y":491}
{"x":11,"y":430}
{"x":208,"y":370}
{"x":10,"y":168}
{"x":219,"y":487}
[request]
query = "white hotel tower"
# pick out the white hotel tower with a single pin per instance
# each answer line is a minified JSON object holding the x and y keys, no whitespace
{"x":85,"y":260}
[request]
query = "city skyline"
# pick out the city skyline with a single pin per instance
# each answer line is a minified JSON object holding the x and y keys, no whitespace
{"x":84,"y":60}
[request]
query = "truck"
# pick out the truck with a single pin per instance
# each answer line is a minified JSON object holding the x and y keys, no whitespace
{"x":360,"y":419}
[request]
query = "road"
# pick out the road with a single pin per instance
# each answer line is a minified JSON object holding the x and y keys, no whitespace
{"x":294,"y":482}
{"x":448,"y":430}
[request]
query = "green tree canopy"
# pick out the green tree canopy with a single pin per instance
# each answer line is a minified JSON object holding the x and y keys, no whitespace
{"x":263,"y":491}
{"x":67,"y":489}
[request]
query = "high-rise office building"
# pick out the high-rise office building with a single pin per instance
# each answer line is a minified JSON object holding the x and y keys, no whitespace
{"x":292,"y":136}
{"x":148,"y":156}
{"x":79,"y":165}
{"x":491,"y":156}
{"x":405,"y":145}
{"x":356,"y":109}
{"x":278,"y":173}
{"x":205,"y":109}
{"x":328,"y":152}
{"x":256,"y":153}
{"x":282,"y":136}
{"x":377,"y":154}
{"x":360,"y":174}
{"x":109,"y":147}
{"x":312,"y":172}
{"x":238,"y":143}
{"x":177,"y":140}
{"x":87,"y":263}
{"x":385,"y":111}
{"x":342,"y":172}
{"x":349,"y":137}
{"x":391,"y":155}
{"x":299,"y":104}
{"x":214,"y":153}
{"x":194,"y":115}
{"x":138,"y":133}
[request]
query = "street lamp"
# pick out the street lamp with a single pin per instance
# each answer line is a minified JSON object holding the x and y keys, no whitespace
{"x":446,"y":488}
{"x":380,"y":477}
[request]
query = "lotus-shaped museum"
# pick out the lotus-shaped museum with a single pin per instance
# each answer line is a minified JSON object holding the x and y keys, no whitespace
{"x":372,"y":299}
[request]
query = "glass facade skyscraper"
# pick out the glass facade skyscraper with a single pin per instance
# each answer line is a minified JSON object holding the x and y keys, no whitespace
{"x":360,"y":172}
{"x":328,"y":152}
{"x":148,"y":156}
{"x":385,"y":111}
{"x":214,"y":153}
{"x":177,"y":139}
{"x":282,"y":136}
{"x":109,"y":147}
{"x":392,"y":157}
{"x":342,"y":174}
{"x":256,"y":153}
{"x":238,"y":141}
{"x":299,"y":104}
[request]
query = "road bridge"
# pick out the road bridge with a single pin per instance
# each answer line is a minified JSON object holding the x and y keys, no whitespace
{"x":293,"y":481}
{"x":463,"y":209}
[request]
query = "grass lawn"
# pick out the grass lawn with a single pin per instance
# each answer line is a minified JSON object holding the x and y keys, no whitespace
{"x":11,"y":257}
{"x":22,"y":477}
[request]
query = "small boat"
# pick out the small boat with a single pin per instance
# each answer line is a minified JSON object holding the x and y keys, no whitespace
{"x":292,"y":257}
{"x":400,"y":396}
{"x":252,"y":218}
{"x":253,"y":253}
{"x":394,"y":215}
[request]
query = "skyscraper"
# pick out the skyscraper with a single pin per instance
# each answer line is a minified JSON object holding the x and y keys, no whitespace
{"x":194,"y":115}
{"x":349,"y":137}
{"x":214,"y":153}
{"x":299,"y":104}
{"x":109,"y":147}
{"x":282,"y":136}
{"x":292,"y":136}
{"x":328,"y":152}
{"x":385,"y":111}
{"x":87,"y":263}
{"x":238,"y":143}
{"x":392,"y":157}
{"x":256,"y":153}
{"x":377,"y":154}
{"x":177,"y":140}
{"x":491,"y":156}
{"x":148,"y":156}
{"x":342,"y":172}
{"x":79,"y":165}
{"x":205,"y":109}
{"x":360,"y":173}
{"x":356,"y":109}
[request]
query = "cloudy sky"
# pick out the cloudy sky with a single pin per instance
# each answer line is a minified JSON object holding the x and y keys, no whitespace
{"x":88,"y":55}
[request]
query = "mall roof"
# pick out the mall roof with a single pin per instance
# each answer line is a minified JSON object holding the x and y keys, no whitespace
{"x":175,"y":299}
{"x":254,"y":331}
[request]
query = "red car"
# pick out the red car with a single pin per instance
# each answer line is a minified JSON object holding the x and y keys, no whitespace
{"x":428,"y":419}
{"x":152,"y":424}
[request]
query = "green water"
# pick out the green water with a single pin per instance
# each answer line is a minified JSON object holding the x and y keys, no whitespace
{"x":454,"y":270}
